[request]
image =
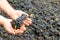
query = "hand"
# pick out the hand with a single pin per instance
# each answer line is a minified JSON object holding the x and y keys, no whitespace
{"x":26,"y":22}
{"x":8,"y":27}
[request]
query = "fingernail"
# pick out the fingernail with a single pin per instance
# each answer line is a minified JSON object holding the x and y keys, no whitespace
{"x":24,"y":28}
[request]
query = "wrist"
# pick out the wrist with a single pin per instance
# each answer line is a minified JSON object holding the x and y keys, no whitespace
{"x":11,"y":14}
{"x":2,"y":20}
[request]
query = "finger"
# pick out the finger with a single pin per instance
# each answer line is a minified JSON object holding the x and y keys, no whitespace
{"x":29,"y":22}
{"x":23,"y":28}
{"x":9,"y":29}
{"x":26,"y":23}
{"x":18,"y":31}
{"x":28,"y":19}
{"x":24,"y":13}
{"x":19,"y":11}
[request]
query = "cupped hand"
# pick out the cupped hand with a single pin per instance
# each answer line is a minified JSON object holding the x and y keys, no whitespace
{"x":8,"y":27}
{"x":26,"y":22}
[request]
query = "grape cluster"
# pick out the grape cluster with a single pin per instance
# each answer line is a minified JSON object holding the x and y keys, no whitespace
{"x":18,"y":22}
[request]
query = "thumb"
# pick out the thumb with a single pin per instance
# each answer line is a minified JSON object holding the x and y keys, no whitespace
{"x":8,"y":28}
{"x":20,"y":11}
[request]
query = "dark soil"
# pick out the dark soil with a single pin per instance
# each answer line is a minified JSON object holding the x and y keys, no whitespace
{"x":16,"y":24}
{"x":46,"y":20}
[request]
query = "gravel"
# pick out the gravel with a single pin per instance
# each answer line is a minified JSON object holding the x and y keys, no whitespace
{"x":46,"y":20}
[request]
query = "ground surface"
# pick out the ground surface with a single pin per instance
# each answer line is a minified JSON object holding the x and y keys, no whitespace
{"x":46,"y":20}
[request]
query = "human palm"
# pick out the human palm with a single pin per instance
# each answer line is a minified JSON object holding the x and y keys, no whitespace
{"x":8,"y":27}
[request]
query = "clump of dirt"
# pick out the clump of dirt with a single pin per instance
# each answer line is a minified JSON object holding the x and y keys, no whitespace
{"x":16,"y":24}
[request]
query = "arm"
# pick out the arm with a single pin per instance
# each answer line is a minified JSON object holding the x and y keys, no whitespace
{"x":5,"y":6}
{"x":6,"y":24}
{"x":9,"y":10}
{"x":2,"y":19}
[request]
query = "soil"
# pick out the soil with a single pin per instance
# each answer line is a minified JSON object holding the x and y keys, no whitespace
{"x":16,"y":24}
{"x":45,"y":15}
